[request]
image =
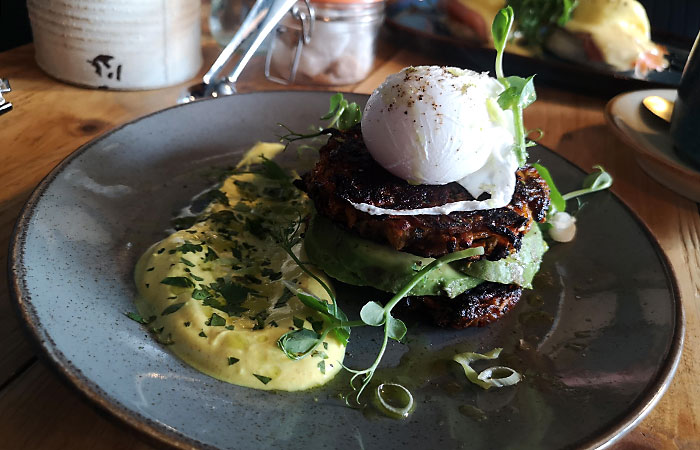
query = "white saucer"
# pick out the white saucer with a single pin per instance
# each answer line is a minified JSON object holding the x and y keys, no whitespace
{"x":649,"y":137}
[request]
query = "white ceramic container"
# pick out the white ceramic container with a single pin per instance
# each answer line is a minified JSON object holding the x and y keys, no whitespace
{"x":117,"y":44}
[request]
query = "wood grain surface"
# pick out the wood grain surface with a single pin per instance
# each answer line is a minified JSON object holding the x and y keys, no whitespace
{"x":51,"y":119}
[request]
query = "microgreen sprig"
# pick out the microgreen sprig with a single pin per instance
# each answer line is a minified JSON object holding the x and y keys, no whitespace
{"x":373,"y":314}
{"x":595,"y":181}
{"x":342,"y":114}
{"x":519,"y":93}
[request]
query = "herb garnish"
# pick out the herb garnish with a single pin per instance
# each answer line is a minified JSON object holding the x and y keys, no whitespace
{"x":232,"y":360}
{"x":137,"y":318}
{"x":172,"y":308}
{"x":299,"y":343}
{"x":595,"y":181}
{"x":263,"y":379}
{"x":342,"y":114}
{"x":216,"y":321}
{"x":178,"y":281}
{"x":519,"y":92}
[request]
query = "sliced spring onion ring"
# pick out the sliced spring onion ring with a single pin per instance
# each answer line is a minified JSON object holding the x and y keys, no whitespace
{"x":394,"y":400}
{"x":498,"y":376}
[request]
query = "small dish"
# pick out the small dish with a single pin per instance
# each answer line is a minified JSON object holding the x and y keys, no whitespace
{"x":649,"y":136}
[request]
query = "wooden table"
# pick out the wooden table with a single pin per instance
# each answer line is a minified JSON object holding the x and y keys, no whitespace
{"x":51,"y":119}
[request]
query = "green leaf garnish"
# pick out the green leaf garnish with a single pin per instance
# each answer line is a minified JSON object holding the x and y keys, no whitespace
{"x":342,"y":114}
{"x":216,"y":320}
{"x":518,"y":92}
{"x":594,"y":182}
{"x":178,"y":281}
{"x":211,"y":255}
{"x":172,"y":308}
{"x":372,"y":314}
{"x":396,"y":328}
{"x":263,"y":379}
{"x":556,"y":201}
{"x":186,"y":262}
{"x":500,"y":29}
{"x":137,"y":318}
{"x":298,"y":343}
{"x":187,"y":248}
{"x":232,"y":360}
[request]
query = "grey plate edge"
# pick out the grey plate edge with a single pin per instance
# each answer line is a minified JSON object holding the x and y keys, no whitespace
{"x":164,"y":434}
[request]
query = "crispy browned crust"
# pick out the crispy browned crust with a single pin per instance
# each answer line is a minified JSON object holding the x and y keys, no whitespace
{"x":346,"y":172}
{"x":476,"y":307}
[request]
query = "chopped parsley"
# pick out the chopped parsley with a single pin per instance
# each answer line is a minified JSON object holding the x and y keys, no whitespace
{"x":271,"y":274}
{"x":232,"y":361}
{"x":211,"y":255}
{"x":284,"y":298}
{"x":186,"y":262}
{"x":178,"y":281}
{"x":187,"y":248}
{"x":137,"y":318}
{"x":202,"y":334}
{"x":263,"y":379}
{"x":216,"y":321}
{"x":172,"y":308}
{"x":322,"y":367}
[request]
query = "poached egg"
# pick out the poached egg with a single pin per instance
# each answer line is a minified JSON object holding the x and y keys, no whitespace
{"x":438,"y":125}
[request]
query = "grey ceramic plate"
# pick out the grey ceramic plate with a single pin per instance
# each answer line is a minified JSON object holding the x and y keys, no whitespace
{"x":598,"y":339}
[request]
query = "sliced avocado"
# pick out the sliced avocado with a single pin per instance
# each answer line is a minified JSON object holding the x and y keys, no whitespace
{"x":519,"y":268}
{"x":361,"y":262}
{"x":354,"y":260}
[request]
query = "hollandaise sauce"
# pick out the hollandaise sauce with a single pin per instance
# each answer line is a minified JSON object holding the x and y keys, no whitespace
{"x":214,"y":292}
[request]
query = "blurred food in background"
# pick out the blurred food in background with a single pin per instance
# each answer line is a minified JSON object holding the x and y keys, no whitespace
{"x":612,"y":33}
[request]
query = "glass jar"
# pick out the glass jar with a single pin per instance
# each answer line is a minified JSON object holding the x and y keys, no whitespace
{"x":325,"y":43}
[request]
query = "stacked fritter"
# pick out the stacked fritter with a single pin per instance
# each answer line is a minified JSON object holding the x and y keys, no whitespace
{"x":346,"y":173}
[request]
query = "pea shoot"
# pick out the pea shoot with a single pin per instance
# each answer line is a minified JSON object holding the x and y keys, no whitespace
{"x":342,"y":114}
{"x":519,"y":93}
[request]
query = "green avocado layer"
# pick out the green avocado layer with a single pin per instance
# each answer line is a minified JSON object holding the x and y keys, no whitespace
{"x":357,"y":261}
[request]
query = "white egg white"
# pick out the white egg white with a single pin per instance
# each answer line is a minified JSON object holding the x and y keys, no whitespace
{"x":438,"y":125}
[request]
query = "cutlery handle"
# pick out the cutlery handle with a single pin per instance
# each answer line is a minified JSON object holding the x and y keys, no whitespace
{"x":5,"y":106}
{"x":277,"y":10}
{"x":254,"y":17}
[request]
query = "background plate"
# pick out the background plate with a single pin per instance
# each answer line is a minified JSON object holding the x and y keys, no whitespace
{"x":598,"y":338}
{"x":424,"y":22}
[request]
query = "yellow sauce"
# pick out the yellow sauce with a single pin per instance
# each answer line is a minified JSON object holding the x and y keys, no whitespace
{"x":227,"y":258}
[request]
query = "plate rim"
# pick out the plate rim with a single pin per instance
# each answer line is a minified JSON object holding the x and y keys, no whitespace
{"x":165,"y":434}
{"x":640,"y":149}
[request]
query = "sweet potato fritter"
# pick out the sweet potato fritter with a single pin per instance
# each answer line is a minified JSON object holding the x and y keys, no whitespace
{"x":347,"y":172}
{"x":476,"y":307}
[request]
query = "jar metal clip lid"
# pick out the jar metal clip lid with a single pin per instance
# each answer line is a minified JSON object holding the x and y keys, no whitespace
{"x":306,"y":20}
